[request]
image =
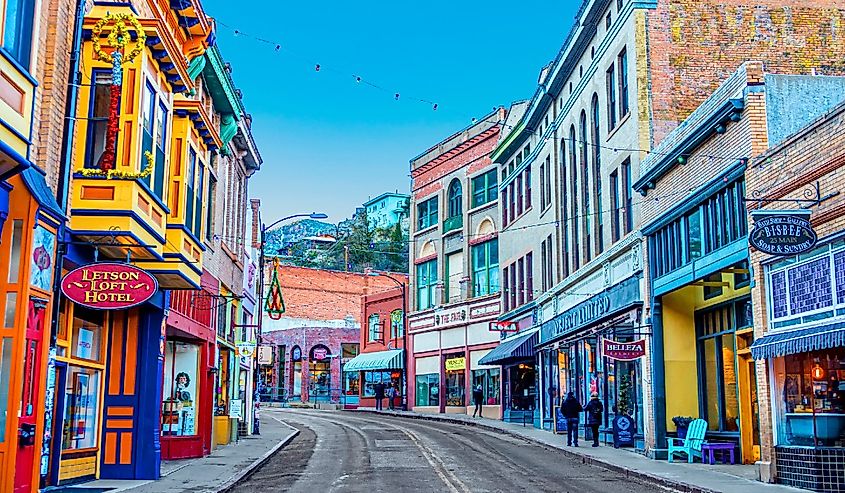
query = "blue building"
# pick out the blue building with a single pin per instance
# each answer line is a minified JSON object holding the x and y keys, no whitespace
{"x":386,"y":210}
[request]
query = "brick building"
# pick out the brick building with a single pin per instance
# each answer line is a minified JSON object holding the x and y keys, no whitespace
{"x":699,"y":305}
{"x":382,"y":356}
{"x":627,"y":75}
{"x":318,"y":331}
{"x":798,"y":308}
{"x":455,"y":273}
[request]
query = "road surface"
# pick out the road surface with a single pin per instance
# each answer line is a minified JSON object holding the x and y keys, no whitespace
{"x":339,"y":451}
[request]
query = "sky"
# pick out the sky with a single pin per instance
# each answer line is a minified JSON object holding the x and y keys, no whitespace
{"x":330,"y":143}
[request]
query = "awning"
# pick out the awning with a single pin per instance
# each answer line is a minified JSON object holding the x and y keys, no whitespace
{"x":392,"y":359}
{"x":799,"y":341}
{"x":519,"y":347}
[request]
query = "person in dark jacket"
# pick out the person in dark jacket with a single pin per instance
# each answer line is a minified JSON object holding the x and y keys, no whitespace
{"x":477,"y":399}
{"x":595,"y":411}
{"x":378,"y":388}
{"x":571,"y":409}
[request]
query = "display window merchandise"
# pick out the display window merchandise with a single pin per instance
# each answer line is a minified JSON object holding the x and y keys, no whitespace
{"x":178,"y":413}
{"x":428,"y":390}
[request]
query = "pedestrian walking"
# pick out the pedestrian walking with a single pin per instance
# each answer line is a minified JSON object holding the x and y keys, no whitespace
{"x":595,"y":411}
{"x":391,"y":395}
{"x":378,"y":388}
{"x":571,"y":409}
{"x":477,"y":399}
{"x":256,"y":430}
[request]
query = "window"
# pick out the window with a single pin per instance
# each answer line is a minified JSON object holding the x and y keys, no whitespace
{"x":614,"y":206}
{"x":453,"y":276}
{"x":373,"y":328}
{"x":520,"y":272}
{"x":426,"y":281}
{"x":512,"y":285}
{"x":199,"y":195}
{"x":608,"y":21}
{"x":573,"y":177}
{"x":209,"y":208}
{"x":585,"y":190}
{"x":181,"y":368}
{"x":17,"y":30}
{"x":98,"y":117}
{"x":190,"y":177}
{"x":81,"y":408}
{"x":154,"y":138}
{"x":427,"y":214}
{"x":371,"y":378}
{"x":506,"y":298}
{"x":455,"y":383}
{"x":714,"y":287}
{"x":520,"y":197}
{"x":610,"y":87}
{"x":622,"y":63}
{"x":564,"y":187}
{"x":455,"y":198}
{"x":504,"y":203}
{"x":6,"y":367}
{"x":542,"y":186}
{"x":428,"y":390}
{"x":485,"y":268}
{"x":527,"y":187}
{"x":397,"y":324}
{"x":546,"y":183}
{"x":718,"y":392}
{"x":626,"y":195}
{"x":512,"y":202}
{"x":599,"y":217}
{"x":484,"y":188}
{"x":547,"y":263}
{"x":619,"y":4}
{"x":488,"y":380}
{"x":529,"y":277}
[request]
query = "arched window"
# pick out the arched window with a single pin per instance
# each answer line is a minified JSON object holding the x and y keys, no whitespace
{"x":573,"y":177}
{"x":599,"y":219}
{"x":374,"y":328}
{"x":564,"y":207}
{"x":585,"y":186}
{"x":455,"y":199}
{"x":397,"y":325}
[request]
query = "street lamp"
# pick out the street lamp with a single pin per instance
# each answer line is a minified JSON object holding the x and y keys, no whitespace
{"x":401,"y":285}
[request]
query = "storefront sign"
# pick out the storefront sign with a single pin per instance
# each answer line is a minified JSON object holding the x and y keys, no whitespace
{"x":455,"y":364}
{"x":265,"y":355}
{"x":623,"y":431}
{"x":616,"y":298}
{"x":450,"y":317}
{"x":783,"y":235}
{"x":623,"y":351}
{"x":246,"y":349}
{"x":296,"y":355}
{"x":235,"y":408}
{"x":320,"y":353}
{"x":109,"y":286}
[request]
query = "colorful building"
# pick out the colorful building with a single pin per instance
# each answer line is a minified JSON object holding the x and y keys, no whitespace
{"x":316,"y":334}
{"x":694,"y":221}
{"x":455,"y":273}
{"x":387,"y":210}
{"x":382,"y":357}
{"x":799,"y":334}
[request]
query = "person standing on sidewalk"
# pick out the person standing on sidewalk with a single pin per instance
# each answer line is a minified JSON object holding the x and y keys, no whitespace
{"x":378,"y":388}
{"x":477,"y":399}
{"x":595,"y":410}
{"x":571,"y":409}
{"x":391,"y":396}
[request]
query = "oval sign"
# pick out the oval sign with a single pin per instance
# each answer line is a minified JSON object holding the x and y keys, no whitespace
{"x":109,"y":286}
{"x":624,"y":351}
{"x":783,"y":235}
{"x":320,"y":354}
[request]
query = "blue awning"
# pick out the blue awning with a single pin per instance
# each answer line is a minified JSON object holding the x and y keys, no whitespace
{"x":520,"y":347}
{"x":35,"y":181}
{"x":799,"y":341}
{"x":392,"y":359}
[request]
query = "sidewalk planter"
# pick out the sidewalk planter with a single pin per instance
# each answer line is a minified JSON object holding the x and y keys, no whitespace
{"x":682,"y":424}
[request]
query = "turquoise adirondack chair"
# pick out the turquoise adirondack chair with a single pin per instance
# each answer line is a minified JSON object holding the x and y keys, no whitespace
{"x":691,"y":445}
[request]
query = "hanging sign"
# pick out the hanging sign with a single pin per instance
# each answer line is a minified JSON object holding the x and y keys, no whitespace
{"x":109,"y":286}
{"x":265,"y":355}
{"x":783,"y":235}
{"x":455,"y":364}
{"x":246,"y":349}
{"x":623,"y":351}
{"x":319,"y":353}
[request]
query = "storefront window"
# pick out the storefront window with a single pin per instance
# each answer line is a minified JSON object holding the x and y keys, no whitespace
{"x":490,"y":384}
{"x":811,"y":403}
{"x":321,"y":378}
{"x":351,"y":382}
{"x":523,"y":386}
{"x":178,"y":409}
{"x":221,"y":406}
{"x":81,"y":394}
{"x":87,"y":333}
{"x":371,"y":378}
{"x":455,"y":366}
{"x":717,"y":366}
{"x":428,"y":390}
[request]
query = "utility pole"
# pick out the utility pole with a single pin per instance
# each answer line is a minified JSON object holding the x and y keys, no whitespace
{"x":346,"y":258}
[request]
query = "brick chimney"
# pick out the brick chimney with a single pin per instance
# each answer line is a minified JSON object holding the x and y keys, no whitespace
{"x":255,"y":205}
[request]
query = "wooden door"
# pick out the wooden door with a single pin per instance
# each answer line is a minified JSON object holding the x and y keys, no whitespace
{"x":29,"y":443}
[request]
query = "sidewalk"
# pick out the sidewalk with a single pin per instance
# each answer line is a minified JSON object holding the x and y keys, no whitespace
{"x":693,"y":478}
{"x":215,"y":473}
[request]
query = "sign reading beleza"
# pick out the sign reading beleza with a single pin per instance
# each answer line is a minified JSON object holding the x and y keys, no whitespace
{"x":109,"y":286}
{"x":783,"y":235}
{"x":624,"y":351}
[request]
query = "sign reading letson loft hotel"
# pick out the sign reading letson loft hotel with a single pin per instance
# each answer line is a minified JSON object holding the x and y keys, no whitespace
{"x":109,"y":286}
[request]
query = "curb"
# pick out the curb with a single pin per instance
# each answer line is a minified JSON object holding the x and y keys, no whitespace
{"x":628,"y":473}
{"x":250,"y":469}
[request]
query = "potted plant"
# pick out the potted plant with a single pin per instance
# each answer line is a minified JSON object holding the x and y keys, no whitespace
{"x":681,"y":424}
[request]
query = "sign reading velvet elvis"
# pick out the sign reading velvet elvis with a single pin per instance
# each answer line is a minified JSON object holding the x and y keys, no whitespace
{"x":109,"y":286}
{"x":617,"y":297}
{"x":623,"y":351}
{"x":782,"y":234}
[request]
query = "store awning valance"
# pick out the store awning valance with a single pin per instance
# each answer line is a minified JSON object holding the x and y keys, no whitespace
{"x":799,"y":341}
{"x":392,"y":359}
{"x":517,"y":348}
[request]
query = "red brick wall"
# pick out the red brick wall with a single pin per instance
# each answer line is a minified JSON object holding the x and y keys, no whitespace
{"x":474,"y":152}
{"x":381,"y":303}
{"x":696,"y":44}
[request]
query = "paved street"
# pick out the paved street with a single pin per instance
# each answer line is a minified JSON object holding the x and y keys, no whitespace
{"x":337,"y":451}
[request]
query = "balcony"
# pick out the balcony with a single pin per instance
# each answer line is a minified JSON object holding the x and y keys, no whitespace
{"x":453,"y":223}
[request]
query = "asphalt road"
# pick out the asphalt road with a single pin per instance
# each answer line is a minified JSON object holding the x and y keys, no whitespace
{"x":338,"y":451}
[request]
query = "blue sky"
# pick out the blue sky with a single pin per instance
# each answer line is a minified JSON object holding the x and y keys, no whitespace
{"x":330,"y":143}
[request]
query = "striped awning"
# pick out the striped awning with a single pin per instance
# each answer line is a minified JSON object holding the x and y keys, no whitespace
{"x":392,"y":359}
{"x":799,"y":341}
{"x":520,"y":347}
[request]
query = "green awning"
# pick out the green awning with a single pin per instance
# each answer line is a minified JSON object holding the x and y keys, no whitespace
{"x":392,"y":359}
